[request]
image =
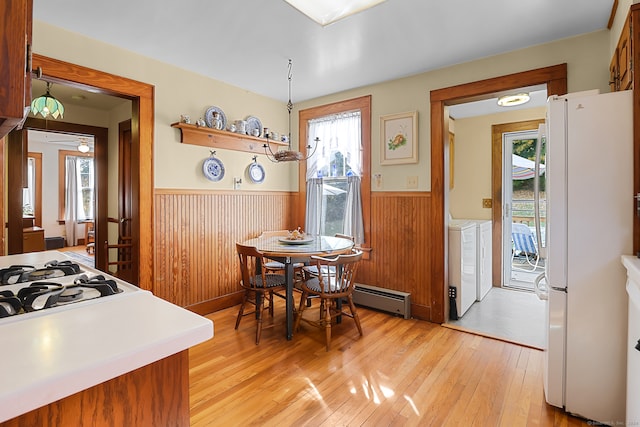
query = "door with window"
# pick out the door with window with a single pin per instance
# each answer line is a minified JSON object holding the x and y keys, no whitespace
{"x":521,"y":259}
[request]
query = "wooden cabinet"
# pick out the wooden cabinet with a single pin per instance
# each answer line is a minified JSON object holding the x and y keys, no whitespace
{"x":15,"y":51}
{"x":32,"y":239}
{"x":621,"y":67}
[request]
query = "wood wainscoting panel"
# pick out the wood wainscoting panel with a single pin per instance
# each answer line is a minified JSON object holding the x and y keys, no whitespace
{"x":195,"y":235}
{"x":401,"y":247}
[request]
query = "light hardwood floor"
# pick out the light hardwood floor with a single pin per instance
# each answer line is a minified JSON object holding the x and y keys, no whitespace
{"x":400,"y":373}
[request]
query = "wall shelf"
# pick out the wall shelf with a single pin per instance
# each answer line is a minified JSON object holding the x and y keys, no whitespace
{"x":214,"y":138}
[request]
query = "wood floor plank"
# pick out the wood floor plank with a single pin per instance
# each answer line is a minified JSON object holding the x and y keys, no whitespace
{"x":400,"y":373}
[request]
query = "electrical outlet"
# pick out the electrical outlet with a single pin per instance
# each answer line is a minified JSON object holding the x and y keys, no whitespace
{"x":487,"y":203}
{"x":412,"y":182}
{"x":378,"y":180}
{"x":236,"y":183}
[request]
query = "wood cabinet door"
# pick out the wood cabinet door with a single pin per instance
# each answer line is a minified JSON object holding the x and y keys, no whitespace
{"x":623,"y":52}
{"x":614,"y":72}
{"x":15,"y":74}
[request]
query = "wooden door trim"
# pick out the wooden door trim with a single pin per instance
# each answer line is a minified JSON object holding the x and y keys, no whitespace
{"x":142,"y":123}
{"x":496,"y":189}
{"x":555,"y":78}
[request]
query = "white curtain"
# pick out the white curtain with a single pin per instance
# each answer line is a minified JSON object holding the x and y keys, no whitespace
{"x":71,"y":195}
{"x":314,"y":206}
{"x":353,"y":223}
{"x":336,"y":130}
{"x":28,"y":194}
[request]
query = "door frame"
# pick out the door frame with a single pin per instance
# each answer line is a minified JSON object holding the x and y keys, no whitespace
{"x":142,"y":124}
{"x":496,"y":189}
{"x":554,"y":77}
{"x":100,"y":135}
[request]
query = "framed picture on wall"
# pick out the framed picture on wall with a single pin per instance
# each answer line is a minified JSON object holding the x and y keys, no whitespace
{"x":399,"y":134}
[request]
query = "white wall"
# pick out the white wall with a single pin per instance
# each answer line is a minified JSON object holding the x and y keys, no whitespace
{"x":587,"y":59}
{"x":472,"y":167}
{"x":178,"y":92}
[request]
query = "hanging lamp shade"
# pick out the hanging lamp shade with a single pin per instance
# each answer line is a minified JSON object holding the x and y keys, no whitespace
{"x":46,"y":105}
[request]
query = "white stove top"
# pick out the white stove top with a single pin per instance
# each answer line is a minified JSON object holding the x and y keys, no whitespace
{"x":58,"y":292}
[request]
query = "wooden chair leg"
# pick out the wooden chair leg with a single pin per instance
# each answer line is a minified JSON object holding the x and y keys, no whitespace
{"x":259,"y":310}
{"x":300,"y":310}
{"x":270,"y":303}
{"x":354,"y":314}
{"x":245,"y":298}
{"x":327,"y":323}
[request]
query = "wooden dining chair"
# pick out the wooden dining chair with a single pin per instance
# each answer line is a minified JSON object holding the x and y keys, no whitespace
{"x":258,"y":286}
{"x":312,"y":270}
{"x":334,"y":283}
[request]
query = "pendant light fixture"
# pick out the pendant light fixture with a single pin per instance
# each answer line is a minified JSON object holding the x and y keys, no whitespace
{"x":288,"y":155}
{"x":47,"y":105}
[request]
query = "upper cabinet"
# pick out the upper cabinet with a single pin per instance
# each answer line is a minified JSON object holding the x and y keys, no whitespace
{"x":15,"y":73}
{"x":621,"y":69}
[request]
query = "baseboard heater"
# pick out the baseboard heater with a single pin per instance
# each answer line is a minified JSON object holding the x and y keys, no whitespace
{"x":388,"y":300}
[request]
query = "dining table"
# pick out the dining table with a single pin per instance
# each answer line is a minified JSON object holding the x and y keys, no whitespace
{"x":289,"y":252}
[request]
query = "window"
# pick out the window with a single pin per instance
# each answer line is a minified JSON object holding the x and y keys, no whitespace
{"x":32,"y":194}
{"x":337,"y":157}
{"x":336,"y":178}
{"x":84,"y":187}
{"x":77,"y":180}
{"x":29,"y":193}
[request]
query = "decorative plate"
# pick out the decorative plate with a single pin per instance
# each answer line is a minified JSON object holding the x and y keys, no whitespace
{"x":213,"y":169}
{"x":256,"y":172}
{"x":253,"y":123}
{"x":208,"y":117}
{"x":295,"y":241}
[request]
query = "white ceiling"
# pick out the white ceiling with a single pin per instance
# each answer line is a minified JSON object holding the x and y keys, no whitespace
{"x":247,"y":43}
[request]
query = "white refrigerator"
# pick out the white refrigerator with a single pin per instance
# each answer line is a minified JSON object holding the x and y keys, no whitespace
{"x":590,"y":208}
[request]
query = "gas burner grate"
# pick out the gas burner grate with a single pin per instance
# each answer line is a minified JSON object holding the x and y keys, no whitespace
{"x":41,"y":295}
{"x":28,"y":273}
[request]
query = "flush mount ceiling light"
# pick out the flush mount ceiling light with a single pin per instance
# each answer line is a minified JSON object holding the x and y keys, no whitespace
{"x":513,"y":100}
{"x":288,"y":155}
{"x":47,"y":105}
{"x":84,"y":146}
{"x":326,"y":12}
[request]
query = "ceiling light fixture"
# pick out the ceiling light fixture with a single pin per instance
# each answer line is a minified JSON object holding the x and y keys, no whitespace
{"x":47,"y":105}
{"x":326,"y":12}
{"x":513,"y":100}
{"x":83,"y":147}
{"x":288,"y":155}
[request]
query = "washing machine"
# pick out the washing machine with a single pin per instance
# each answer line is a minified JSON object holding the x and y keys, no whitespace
{"x":484,"y":239}
{"x":463,"y":262}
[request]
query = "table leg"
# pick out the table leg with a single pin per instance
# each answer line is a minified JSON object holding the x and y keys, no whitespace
{"x":288,"y":275}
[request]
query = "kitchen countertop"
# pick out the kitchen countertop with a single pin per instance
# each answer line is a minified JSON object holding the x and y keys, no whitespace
{"x":54,"y":353}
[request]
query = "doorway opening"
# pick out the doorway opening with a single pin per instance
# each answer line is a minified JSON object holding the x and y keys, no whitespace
{"x":141,"y":96}
{"x":555,"y":81}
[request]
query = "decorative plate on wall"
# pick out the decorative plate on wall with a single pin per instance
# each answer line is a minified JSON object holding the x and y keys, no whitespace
{"x":256,"y":172}
{"x":213,"y":168}
{"x":208,"y":117}
{"x":253,"y":123}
